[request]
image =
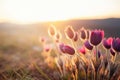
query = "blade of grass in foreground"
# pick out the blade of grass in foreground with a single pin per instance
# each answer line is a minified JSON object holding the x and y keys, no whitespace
{"x":41,"y":72}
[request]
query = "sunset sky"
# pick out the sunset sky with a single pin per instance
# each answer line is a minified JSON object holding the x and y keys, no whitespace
{"x":26,"y":11}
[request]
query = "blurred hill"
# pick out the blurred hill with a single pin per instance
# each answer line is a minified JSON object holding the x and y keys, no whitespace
{"x":111,"y":27}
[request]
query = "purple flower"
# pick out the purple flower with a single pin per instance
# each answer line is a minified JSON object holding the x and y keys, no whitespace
{"x":69,"y":50}
{"x":66,"y":49}
{"x":57,"y":37}
{"x":112,"y":52}
{"x":96,"y":37}
{"x":47,"y":48}
{"x":42,"y":39}
{"x":88,"y":34}
{"x":75,"y":37}
{"x":116,"y":44}
{"x":69,"y":32}
{"x":88,"y":45}
{"x":82,"y":50}
{"x":83,"y":34}
{"x":107,"y":43}
{"x":61,"y":45}
{"x":52,"y":30}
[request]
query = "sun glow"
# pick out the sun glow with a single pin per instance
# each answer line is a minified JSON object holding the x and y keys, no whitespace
{"x":26,"y":11}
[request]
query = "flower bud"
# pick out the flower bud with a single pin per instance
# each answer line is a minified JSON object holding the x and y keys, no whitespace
{"x":88,"y":34}
{"x":88,"y":45}
{"x":57,"y":36}
{"x":42,"y":39}
{"x":69,"y":50}
{"x":52,"y":30}
{"x":75,"y":37}
{"x":82,"y":50}
{"x":61,"y":47}
{"x":66,"y":49}
{"x":107,"y":42}
{"x":83,"y":34}
{"x":116,"y":44}
{"x":69,"y":32}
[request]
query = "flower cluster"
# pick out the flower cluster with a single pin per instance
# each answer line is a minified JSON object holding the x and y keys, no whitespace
{"x":87,"y":55}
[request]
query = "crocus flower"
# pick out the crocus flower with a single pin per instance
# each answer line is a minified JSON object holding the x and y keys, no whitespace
{"x":67,"y":49}
{"x":75,"y":36}
{"x":116,"y":44}
{"x":112,"y":52}
{"x":88,"y":45}
{"x":107,"y":42}
{"x":69,"y":32}
{"x":83,"y":34}
{"x":96,"y":37}
{"x":52,"y":30}
{"x":82,"y":50}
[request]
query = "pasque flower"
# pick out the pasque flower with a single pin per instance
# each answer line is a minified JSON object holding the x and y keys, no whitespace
{"x":88,"y":34}
{"x":96,"y":37}
{"x":67,"y":49}
{"x":42,"y":39}
{"x":88,"y":45}
{"x":61,"y":46}
{"x":47,"y":48}
{"x":107,"y":42}
{"x":83,"y":34}
{"x":69,"y":32}
{"x":75,"y":37}
{"x":52,"y":30}
{"x":116,"y":44}
{"x":58,"y":36}
{"x":82,"y":50}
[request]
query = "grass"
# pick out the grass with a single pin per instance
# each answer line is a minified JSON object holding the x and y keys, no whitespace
{"x":29,"y":61}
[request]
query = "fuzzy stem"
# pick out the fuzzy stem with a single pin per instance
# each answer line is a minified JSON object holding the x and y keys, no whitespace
{"x":92,"y":54}
{"x":108,"y":56}
{"x":96,"y":53}
{"x":114,"y":58}
{"x":96,"y":75}
{"x":86,"y":75}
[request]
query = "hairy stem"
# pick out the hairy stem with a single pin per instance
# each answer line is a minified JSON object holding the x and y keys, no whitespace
{"x":96,"y":53}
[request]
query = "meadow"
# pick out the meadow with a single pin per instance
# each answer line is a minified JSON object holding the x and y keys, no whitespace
{"x":57,"y":53}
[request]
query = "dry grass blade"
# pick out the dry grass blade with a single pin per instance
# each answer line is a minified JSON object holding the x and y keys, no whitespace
{"x":41,"y":72}
{"x":113,"y":68}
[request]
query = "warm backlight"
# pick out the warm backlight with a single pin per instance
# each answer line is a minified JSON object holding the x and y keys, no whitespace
{"x":26,"y":11}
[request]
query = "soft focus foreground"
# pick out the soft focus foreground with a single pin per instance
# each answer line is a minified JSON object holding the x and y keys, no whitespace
{"x":65,"y":55}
